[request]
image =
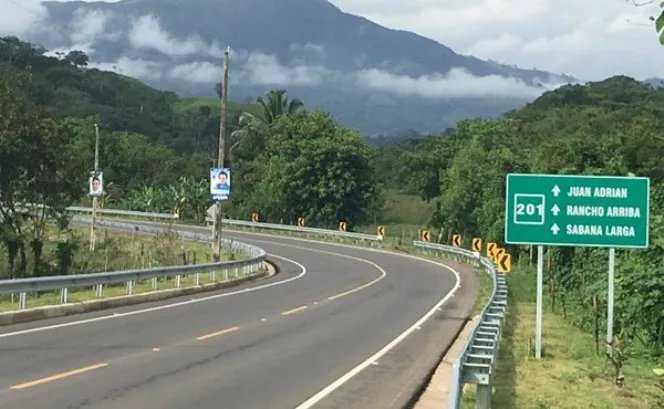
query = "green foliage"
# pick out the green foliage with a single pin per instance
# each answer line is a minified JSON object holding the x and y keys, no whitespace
{"x":314,"y":168}
{"x":188,"y":197}
{"x":38,"y":164}
{"x":612,"y":127}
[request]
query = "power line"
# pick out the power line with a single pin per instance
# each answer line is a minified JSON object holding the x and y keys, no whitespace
{"x":19,"y":5}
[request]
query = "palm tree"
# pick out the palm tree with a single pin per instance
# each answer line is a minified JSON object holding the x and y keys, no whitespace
{"x":276,"y":105}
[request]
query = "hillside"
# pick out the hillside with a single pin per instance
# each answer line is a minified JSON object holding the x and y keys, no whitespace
{"x":66,"y":87}
{"x":377,"y":79}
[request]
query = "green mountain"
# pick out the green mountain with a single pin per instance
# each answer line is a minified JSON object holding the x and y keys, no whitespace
{"x":368,"y":76}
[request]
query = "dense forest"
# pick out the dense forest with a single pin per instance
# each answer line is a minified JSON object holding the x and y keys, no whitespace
{"x":289,"y":161}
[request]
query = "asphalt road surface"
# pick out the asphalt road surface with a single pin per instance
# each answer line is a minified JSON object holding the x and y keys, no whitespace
{"x":338,"y":327}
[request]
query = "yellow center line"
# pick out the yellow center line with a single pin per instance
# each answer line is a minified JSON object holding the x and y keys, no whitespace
{"x":294,"y":310}
{"x":59,"y":376}
{"x":383,"y":274}
{"x":214,"y":334}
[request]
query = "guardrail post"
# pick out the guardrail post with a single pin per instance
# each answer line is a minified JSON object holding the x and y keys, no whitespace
{"x":484,"y":396}
{"x":226,"y":273}
{"x":100,"y":290}
{"x":22,"y":300}
{"x":154,"y":283}
{"x":63,"y":295}
{"x":476,"y":365}
{"x":178,"y":279}
{"x":130,"y":287}
{"x":198,"y":279}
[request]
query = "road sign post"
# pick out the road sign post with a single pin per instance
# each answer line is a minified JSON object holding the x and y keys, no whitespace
{"x":609,"y":306}
{"x":540,"y":293}
{"x":576,"y":210}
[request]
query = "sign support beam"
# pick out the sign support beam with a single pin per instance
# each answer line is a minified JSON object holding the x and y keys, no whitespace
{"x":94,"y":198}
{"x":540,"y":294}
{"x":610,"y":301}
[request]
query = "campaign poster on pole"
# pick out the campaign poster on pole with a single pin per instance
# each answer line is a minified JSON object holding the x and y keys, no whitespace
{"x":96,"y":184}
{"x":220,"y":183}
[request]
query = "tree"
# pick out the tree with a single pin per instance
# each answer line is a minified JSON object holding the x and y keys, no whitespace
{"x":252,"y":131}
{"x":37,"y":165}
{"x":659,"y":20}
{"x":278,"y":104}
{"x":77,"y":58}
{"x":316,"y":169}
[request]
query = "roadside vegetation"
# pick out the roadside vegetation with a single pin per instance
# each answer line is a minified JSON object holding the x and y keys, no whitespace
{"x":574,"y":372}
{"x":67,"y":252}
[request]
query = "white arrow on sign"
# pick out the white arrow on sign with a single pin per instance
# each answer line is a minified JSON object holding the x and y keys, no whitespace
{"x":555,"y":229}
{"x":555,"y":210}
{"x":556,"y":190}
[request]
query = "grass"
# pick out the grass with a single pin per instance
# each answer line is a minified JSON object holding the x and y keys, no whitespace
{"x":486,"y":288}
{"x":116,"y":250}
{"x":193,"y":103}
{"x":569,"y":375}
{"x":404,"y":215}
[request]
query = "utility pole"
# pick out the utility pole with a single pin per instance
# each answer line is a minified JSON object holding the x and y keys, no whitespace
{"x":94,"y":198}
{"x":221,"y":158}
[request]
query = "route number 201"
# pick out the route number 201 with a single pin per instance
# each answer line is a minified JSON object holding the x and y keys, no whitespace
{"x":529,"y":209}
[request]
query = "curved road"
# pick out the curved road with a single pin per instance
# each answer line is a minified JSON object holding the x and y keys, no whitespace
{"x":339,"y":326}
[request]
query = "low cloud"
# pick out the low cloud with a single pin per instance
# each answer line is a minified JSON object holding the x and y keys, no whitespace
{"x":147,"y":33}
{"x":457,"y":83}
{"x":308,"y":47}
{"x":18,"y":17}
{"x":137,"y":68}
{"x":265,"y":70}
{"x":262,"y":69}
{"x":258,"y":68}
{"x":89,"y":26}
{"x":199,"y":72}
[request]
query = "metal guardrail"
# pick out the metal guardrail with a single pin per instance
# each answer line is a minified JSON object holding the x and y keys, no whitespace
{"x":306,"y":230}
{"x":125,"y":212}
{"x":253,"y":263}
{"x":119,"y":212}
{"x":233,"y":222}
{"x":477,"y":361}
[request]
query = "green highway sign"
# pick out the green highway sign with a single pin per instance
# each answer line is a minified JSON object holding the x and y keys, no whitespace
{"x":571,"y":210}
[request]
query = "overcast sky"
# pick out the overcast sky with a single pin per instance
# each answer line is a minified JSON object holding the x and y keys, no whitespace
{"x":590,"y":39}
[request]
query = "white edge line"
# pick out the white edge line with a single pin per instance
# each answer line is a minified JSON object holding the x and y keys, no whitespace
{"x":302,"y":273}
{"x":356,"y":247}
{"x":375,"y":357}
{"x":344,"y":378}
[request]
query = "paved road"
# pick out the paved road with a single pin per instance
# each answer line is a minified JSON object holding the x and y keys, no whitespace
{"x":288,"y":345}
